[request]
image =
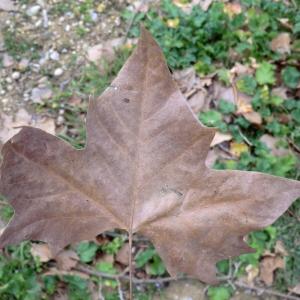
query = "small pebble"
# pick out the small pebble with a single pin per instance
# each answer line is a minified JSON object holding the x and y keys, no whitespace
{"x":16,"y":75}
{"x":33,"y":10}
{"x":60,"y":120}
{"x":7,"y":61}
{"x":35,"y":68}
{"x":23,"y":64}
{"x":94,"y":16}
{"x":54,"y":55}
{"x":58,"y":72}
{"x":26,"y":97}
{"x":8,"y":80}
{"x":38,"y":23}
{"x":40,"y":94}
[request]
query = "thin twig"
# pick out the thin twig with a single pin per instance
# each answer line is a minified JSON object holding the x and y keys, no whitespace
{"x":221,"y":147}
{"x":89,"y":271}
{"x":245,"y":138}
{"x":293,"y":145}
{"x":120,"y":292}
{"x":235,"y":93}
{"x":130,"y":265}
{"x":101,"y":297}
{"x":265,"y":291}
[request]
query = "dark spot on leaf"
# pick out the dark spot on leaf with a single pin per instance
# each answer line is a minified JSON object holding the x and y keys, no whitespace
{"x":126,"y":100}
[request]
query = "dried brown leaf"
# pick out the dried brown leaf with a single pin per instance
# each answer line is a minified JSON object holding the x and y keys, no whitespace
{"x":123,"y":254}
{"x":232,"y":9}
{"x":66,"y":260}
{"x":281,"y":43}
{"x":252,"y":273}
{"x":253,"y":117}
{"x":143,"y":170}
{"x":42,"y":251}
{"x":11,"y":125}
{"x":272,"y":143}
{"x":198,"y":101}
{"x":267,"y":267}
{"x":296,"y":289}
{"x":280,"y":249}
{"x":220,"y":138}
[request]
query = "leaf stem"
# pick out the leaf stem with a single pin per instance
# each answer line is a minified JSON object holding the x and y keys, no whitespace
{"x":130,"y":264}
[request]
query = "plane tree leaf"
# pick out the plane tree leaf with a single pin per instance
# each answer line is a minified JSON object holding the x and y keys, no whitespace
{"x":143,"y":170}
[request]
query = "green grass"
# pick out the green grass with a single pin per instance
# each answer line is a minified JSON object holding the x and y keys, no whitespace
{"x":19,"y":46}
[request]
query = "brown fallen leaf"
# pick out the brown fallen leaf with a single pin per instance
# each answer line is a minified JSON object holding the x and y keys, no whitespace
{"x":272,"y":143}
{"x":280,"y":91}
{"x":268,"y":265}
{"x":238,"y":69}
{"x":281,"y":43}
{"x":296,"y":289}
{"x":252,"y":273}
{"x":253,"y":117}
{"x":11,"y":125}
{"x":186,"y":79}
{"x":66,"y":260}
{"x":198,"y":101}
{"x":280,"y":249}
{"x":187,"y":6}
{"x":123,"y":255}
{"x":244,"y":104}
{"x":143,"y":170}
{"x":104,"y":51}
{"x":204,"y":4}
{"x":42,"y":251}
{"x":222,"y":92}
{"x":232,"y":9}
{"x":220,"y":138}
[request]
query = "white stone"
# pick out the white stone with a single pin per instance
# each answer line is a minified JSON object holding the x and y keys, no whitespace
{"x":60,"y":120}
{"x":58,"y":72}
{"x":8,"y":61}
{"x":35,"y":68}
{"x":54,"y":55}
{"x":94,"y":16}
{"x":23,"y":64}
{"x":38,"y":23}
{"x":16,"y":75}
{"x":40,"y":94}
{"x":33,"y":10}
